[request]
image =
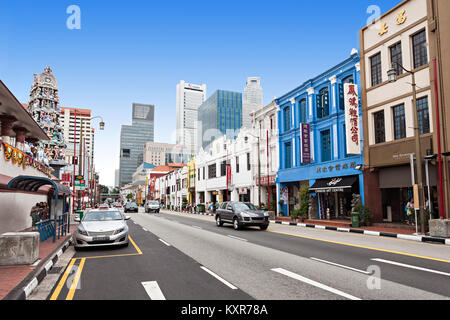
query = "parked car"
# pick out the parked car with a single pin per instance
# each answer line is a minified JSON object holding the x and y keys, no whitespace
{"x":131,"y":206}
{"x":100,"y":228}
{"x":104,"y":206}
{"x":152,"y":206}
{"x":117,"y":205}
{"x":241,"y":214}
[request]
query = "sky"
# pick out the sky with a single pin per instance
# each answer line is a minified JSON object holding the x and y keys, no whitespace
{"x":139,"y":50}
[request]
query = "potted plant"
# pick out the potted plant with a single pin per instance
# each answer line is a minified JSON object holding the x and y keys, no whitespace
{"x":281,"y":203}
{"x":294,"y":215}
{"x":281,"y":213}
{"x":365,"y":215}
{"x":304,"y":197}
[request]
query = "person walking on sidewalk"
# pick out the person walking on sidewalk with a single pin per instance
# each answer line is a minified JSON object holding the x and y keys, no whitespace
{"x":34,"y":214}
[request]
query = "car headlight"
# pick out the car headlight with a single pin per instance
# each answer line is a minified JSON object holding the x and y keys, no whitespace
{"x":245,"y":215}
{"x":82,"y":231}
{"x":119,"y":231}
{"x":266,"y":214}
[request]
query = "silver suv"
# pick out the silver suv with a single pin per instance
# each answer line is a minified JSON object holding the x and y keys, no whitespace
{"x":152,"y":206}
{"x":241,"y":214}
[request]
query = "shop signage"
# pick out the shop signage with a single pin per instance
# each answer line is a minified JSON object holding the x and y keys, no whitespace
{"x":306,"y":142}
{"x":337,"y":167}
{"x":263,"y":181}
{"x":80,"y":183}
{"x":352,"y":118}
{"x":243,"y":190}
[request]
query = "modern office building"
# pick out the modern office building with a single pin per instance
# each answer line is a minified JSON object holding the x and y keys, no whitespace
{"x":220,"y":115}
{"x":252,"y":100}
{"x":133,"y":139}
{"x":189,"y":98}
{"x":161,"y":154}
{"x":319,"y":142}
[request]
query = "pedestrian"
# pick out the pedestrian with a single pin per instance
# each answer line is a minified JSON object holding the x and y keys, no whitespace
{"x":45,"y":211}
{"x":410,"y":212}
{"x":34,"y":214}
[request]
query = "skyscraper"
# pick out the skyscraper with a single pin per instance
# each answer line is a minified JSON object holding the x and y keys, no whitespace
{"x":132,"y":141}
{"x":220,"y":115}
{"x":189,"y":98}
{"x":253,"y":100}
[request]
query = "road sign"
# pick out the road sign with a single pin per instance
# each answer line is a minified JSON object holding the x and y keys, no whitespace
{"x":80,"y":183}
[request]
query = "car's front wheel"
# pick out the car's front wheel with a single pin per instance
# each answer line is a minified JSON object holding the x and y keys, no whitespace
{"x":219,"y":222}
{"x":236,"y":224}
{"x":264,"y":228}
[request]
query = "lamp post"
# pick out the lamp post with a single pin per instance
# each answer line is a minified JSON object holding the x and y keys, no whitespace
{"x":392,"y":75}
{"x":80,"y":163}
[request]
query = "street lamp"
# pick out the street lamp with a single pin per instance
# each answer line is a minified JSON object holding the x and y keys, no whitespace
{"x":393,"y":76}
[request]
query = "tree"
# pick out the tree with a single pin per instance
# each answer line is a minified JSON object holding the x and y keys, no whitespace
{"x":130,"y":196}
{"x":304,"y":197}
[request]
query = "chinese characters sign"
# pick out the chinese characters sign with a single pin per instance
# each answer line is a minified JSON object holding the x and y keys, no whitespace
{"x":352,"y":128}
{"x":306,"y":142}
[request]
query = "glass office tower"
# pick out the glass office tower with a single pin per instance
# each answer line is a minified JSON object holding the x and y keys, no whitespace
{"x":220,"y":115}
{"x":133,"y":139}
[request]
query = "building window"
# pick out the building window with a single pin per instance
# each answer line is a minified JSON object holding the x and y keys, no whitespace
{"x":212,"y":171}
{"x":325,"y":137}
{"x":303,"y":111}
{"x":399,"y":122}
{"x":223,"y":168}
{"x":288,"y":155}
{"x":348,"y":79}
{"x":375,"y":68}
{"x":237,"y":164}
{"x":126,"y":153}
{"x":248,"y":162}
{"x":380,"y":135}
{"x":323,"y":105}
{"x":423,"y":115}
{"x":396,"y":57}
{"x":287,"y":119}
{"x":419,"y":41}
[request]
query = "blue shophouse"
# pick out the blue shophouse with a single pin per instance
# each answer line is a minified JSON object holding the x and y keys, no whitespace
{"x":313,"y":151}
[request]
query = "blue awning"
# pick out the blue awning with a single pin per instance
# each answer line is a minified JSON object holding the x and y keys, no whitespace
{"x":33,"y":184}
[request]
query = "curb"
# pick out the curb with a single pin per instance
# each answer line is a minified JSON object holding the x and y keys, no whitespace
{"x":200,"y":213}
{"x":23,"y":290}
{"x":370,"y":233}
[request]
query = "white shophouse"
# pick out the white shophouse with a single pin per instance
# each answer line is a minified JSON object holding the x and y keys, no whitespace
{"x":211,"y":165}
{"x":174,"y":187}
{"x":265,"y":127}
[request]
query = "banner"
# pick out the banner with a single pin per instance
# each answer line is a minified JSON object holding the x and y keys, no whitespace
{"x":306,"y":142}
{"x":352,"y":129}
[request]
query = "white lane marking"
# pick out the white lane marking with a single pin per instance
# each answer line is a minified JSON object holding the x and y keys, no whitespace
{"x":164,"y":242}
{"x":314,"y":283}
{"x":411,"y":267}
{"x":153,"y":290}
{"x":144,"y":229}
{"x":219,"y":278}
{"x":197,"y":227}
{"x":340,"y":265}
{"x":237,"y":238}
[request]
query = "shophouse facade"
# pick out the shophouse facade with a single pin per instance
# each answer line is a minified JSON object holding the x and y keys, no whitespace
{"x":400,"y":39}
{"x":313,"y":138}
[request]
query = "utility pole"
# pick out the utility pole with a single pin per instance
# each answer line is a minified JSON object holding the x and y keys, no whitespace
{"x":268,"y":174}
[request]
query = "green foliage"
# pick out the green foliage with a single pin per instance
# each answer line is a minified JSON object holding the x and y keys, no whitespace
{"x":281,"y":213}
{"x":294,"y":214}
{"x":365,"y":215}
{"x":304,"y":197}
{"x":130,"y":196}
{"x":273,"y":206}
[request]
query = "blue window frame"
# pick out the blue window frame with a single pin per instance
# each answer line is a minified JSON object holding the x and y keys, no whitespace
{"x":288,"y":155}
{"x":348,"y":79}
{"x":325,"y":145}
{"x":303,"y":108}
{"x":287,"y":118}
{"x":323,"y":103}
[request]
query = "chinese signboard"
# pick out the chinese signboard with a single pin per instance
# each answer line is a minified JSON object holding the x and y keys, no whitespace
{"x":306,"y":142}
{"x":352,"y":130}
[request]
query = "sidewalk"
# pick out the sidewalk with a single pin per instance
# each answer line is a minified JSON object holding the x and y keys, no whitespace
{"x":11,"y":277}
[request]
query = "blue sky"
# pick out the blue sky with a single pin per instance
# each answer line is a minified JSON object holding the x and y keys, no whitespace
{"x":137,"y":51}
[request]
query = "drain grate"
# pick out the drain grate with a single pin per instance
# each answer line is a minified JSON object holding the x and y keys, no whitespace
{"x":55,"y":270}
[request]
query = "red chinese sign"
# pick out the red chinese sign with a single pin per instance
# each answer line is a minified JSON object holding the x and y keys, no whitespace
{"x":352,"y":126}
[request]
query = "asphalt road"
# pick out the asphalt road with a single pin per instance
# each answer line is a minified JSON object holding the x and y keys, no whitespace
{"x":181,"y":257}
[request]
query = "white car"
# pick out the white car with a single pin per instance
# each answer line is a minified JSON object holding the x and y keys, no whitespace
{"x":152,"y":206}
{"x":100,"y":228}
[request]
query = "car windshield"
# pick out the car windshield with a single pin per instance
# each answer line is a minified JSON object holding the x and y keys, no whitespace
{"x":243,"y":207}
{"x":154,"y":203}
{"x":131,"y":204}
{"x":103,"y":216}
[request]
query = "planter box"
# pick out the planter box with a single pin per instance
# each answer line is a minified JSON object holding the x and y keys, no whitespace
{"x":440,"y":228}
{"x":20,"y":248}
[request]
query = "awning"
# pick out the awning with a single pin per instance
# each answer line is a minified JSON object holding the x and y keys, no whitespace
{"x":32,"y":184}
{"x":333,"y":184}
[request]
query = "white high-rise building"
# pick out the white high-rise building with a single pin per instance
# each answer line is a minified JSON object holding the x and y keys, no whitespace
{"x":252,"y":100}
{"x":189,"y":98}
